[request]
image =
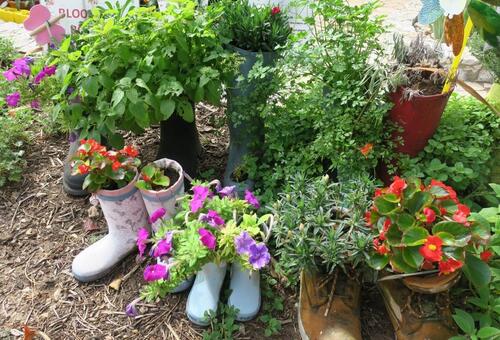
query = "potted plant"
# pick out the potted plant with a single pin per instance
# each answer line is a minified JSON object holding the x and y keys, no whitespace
{"x":322,"y":240}
{"x":421,"y":233}
{"x":111,"y":176}
{"x":128,"y":71}
{"x":254,"y":33}
{"x":211,"y":231}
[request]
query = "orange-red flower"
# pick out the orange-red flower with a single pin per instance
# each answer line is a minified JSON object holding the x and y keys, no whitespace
{"x":130,"y":151}
{"x":366,"y":149}
{"x":451,"y":193}
{"x":378,"y":192}
{"x":461,"y":214}
{"x":380,"y":248}
{"x":116,"y":165}
{"x":449,"y":266}
{"x":430,"y":215}
{"x":443,"y":211}
{"x":486,"y":255}
{"x":83,"y":169}
{"x":431,"y":250}
{"x":275,"y":10}
{"x":368,"y":214}
{"x":397,"y":186}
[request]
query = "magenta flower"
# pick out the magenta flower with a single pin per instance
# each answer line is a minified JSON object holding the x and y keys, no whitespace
{"x":200,"y":194}
{"x":142,"y":238}
{"x":13,"y":99}
{"x":130,"y":310}
{"x":21,"y":66}
{"x":243,"y":243}
{"x":156,"y":215}
{"x":251,"y":199}
{"x":207,"y":238}
{"x":35,"y":104}
{"x":10,"y":75}
{"x":46,"y":72}
{"x":212,"y":218}
{"x":164,"y":246}
{"x":259,"y":256}
{"x":156,"y":272}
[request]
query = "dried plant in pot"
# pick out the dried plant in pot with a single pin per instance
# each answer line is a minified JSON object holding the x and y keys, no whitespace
{"x":321,"y":240}
{"x":418,"y":100}
{"x":422,"y":233}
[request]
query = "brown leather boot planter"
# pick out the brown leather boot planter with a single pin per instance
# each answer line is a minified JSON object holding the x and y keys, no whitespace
{"x":329,"y":307}
{"x":419,"y":307}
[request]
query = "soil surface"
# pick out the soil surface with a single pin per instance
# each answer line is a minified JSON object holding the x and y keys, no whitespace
{"x":43,"y":229}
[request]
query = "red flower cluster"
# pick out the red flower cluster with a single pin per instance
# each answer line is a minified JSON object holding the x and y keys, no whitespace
{"x":275,"y":10}
{"x":90,"y":148}
{"x":366,"y":149}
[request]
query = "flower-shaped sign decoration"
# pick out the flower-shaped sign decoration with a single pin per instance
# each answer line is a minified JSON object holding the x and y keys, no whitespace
{"x":434,"y":9}
{"x":44,"y":28}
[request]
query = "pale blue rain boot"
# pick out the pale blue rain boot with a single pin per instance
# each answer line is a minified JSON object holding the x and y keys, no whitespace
{"x":245,"y":292}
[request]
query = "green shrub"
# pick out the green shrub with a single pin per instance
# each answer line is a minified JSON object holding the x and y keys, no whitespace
{"x":461,"y":151}
{"x":13,"y":139}
{"x":7,"y":52}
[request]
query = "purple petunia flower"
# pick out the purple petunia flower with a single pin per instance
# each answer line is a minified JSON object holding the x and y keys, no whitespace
{"x":157,"y":214}
{"x":200,"y":194}
{"x":72,"y":137}
{"x":156,"y":272}
{"x":10,"y":75}
{"x":212,"y":218}
{"x":207,"y":238}
{"x":130,"y":310}
{"x":13,"y":99}
{"x":35,"y":104}
{"x":142,"y":237}
{"x":243,"y":243}
{"x":164,"y":246}
{"x":251,"y":199}
{"x":21,"y":66}
{"x":225,"y":191}
{"x":259,"y":256}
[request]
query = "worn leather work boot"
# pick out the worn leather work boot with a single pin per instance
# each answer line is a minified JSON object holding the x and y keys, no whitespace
{"x":417,"y":316}
{"x":329,"y":307}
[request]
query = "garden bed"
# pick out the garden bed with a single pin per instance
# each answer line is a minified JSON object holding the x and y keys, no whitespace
{"x":43,"y":231}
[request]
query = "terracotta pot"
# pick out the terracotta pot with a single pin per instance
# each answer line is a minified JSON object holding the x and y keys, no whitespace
{"x":419,"y":117}
{"x":431,"y":284}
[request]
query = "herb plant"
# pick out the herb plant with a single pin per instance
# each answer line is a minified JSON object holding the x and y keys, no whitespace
{"x":461,"y":152}
{"x":320,"y":225}
{"x":106,"y":169}
{"x":152,"y":176}
{"x":128,"y":71}
{"x":250,"y":27}
{"x":211,"y":226}
{"x":329,"y":100}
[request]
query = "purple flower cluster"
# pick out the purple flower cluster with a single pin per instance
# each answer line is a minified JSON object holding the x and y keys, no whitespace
{"x":156,"y":272}
{"x":13,"y":99}
{"x":142,"y":240}
{"x":157,"y":214}
{"x":258,"y":254}
{"x":164,"y":247}
{"x":47,"y":71}
{"x":212,"y":218}
{"x":251,"y":199}
{"x":226,"y":191}
{"x":207,"y":238}
{"x":200,"y":194}
{"x":20,"y":67}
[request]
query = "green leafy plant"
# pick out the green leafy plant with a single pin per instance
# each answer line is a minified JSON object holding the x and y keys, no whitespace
{"x":421,"y":228}
{"x":210,"y":226}
{"x":223,"y":324}
{"x":7,"y":52}
{"x":250,"y":27}
{"x":13,"y":142}
{"x":320,"y":225}
{"x":106,"y":169}
{"x":461,"y":151}
{"x":329,"y":100}
{"x":272,"y":305}
{"x":152,"y":177}
{"x":128,"y":71}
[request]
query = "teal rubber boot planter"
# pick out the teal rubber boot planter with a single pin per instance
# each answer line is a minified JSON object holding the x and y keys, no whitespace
{"x":245,"y":133}
{"x":245,"y":292}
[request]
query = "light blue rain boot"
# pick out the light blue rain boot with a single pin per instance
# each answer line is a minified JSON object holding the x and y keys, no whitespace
{"x":204,"y":295}
{"x":245,"y":292}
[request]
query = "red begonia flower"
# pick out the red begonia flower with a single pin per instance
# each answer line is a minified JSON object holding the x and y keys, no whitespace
{"x":431,"y":250}
{"x":449,"y":266}
{"x":486,"y":255}
{"x":397,"y":186}
{"x":430,"y":215}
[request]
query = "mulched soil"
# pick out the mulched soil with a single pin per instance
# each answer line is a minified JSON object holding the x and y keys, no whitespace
{"x":41,"y":231}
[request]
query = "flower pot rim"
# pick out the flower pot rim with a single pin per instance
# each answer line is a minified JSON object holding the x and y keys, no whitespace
{"x":425,"y":96}
{"x":174,"y":187}
{"x":246,"y":52}
{"x":436,"y":283}
{"x":119,"y":192}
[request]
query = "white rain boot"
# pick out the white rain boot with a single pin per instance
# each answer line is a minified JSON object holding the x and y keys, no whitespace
{"x":204,"y":295}
{"x":245,"y":292}
{"x":167,"y":199}
{"x":125,"y":214}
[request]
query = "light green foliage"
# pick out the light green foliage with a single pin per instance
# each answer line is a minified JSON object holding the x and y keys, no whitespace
{"x":223,"y":324}
{"x":461,"y":151}
{"x":13,"y":141}
{"x":320,"y":225}
{"x":135,"y":69}
{"x":7,"y":52}
{"x":330,"y":99}
{"x":252,"y":28}
{"x":272,"y":305}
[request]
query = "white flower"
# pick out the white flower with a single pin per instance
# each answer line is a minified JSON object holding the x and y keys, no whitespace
{"x":452,"y":7}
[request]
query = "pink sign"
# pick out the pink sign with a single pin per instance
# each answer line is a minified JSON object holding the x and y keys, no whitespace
{"x":77,"y":11}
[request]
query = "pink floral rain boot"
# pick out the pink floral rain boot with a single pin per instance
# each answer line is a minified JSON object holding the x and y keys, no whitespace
{"x":125,"y":214}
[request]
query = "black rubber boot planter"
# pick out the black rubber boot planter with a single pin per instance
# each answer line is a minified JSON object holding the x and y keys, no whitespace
{"x":245,"y":132}
{"x":72,"y":184}
{"x":179,"y":141}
